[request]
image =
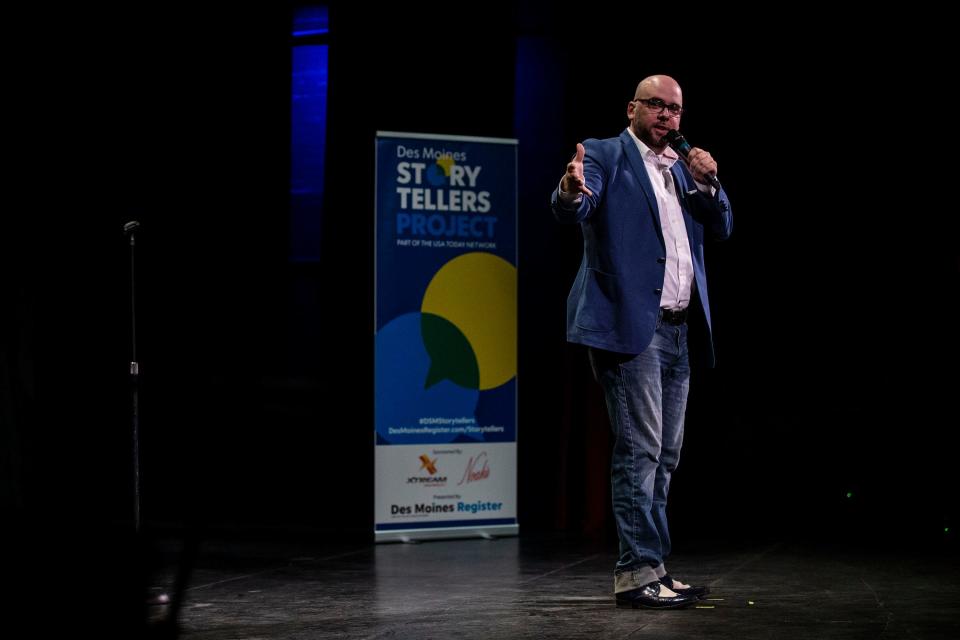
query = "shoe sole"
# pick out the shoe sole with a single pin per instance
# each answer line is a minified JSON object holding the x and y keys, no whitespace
{"x":637,"y":605}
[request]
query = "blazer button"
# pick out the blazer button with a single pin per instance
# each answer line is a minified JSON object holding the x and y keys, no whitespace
{"x":658,"y":291}
{"x":661,"y":260}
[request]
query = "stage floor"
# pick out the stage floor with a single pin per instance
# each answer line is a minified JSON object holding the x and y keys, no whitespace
{"x":549,"y":587}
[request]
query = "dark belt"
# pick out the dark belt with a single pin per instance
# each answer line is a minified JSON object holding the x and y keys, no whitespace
{"x":670,"y":316}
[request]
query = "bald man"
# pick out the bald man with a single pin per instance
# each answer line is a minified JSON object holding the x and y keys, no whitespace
{"x":641,"y":286}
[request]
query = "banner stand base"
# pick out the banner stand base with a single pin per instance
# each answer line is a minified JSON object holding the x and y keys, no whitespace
{"x":453,"y":533}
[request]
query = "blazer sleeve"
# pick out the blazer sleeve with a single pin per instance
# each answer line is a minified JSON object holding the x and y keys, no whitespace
{"x":713,"y":212}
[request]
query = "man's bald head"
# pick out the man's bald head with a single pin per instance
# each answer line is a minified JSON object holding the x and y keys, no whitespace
{"x":656,"y":85}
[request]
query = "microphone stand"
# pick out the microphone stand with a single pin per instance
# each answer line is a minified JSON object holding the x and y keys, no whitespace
{"x":130,"y":229}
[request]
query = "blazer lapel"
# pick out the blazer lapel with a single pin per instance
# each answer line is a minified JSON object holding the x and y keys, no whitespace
{"x":640,"y":171}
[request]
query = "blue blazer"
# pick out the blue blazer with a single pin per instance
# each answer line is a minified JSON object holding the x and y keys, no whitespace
{"x":615,"y":300}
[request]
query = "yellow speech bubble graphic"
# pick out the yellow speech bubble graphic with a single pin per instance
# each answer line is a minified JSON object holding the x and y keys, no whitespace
{"x":477,"y":292}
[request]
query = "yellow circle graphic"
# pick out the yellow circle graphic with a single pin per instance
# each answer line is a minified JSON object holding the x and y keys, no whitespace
{"x":477,"y":292}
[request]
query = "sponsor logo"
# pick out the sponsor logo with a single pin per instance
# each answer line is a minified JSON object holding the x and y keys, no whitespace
{"x":430,"y":466}
{"x":477,"y":469}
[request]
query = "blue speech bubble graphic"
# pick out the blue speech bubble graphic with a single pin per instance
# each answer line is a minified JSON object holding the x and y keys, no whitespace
{"x":406,"y":410}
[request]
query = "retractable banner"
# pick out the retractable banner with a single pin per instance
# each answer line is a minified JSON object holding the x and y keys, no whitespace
{"x":445,"y":382}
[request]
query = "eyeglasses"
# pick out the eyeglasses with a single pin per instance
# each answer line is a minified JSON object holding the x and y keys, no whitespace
{"x":658,"y":105}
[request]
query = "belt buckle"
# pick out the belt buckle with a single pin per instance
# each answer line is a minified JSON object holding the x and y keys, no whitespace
{"x":672,"y":317}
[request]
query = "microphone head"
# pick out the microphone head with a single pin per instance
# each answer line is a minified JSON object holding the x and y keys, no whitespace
{"x":672,"y":138}
{"x":677,"y":142}
{"x":130,"y":226}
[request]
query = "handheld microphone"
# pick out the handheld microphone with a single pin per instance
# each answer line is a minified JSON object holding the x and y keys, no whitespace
{"x":679,"y":144}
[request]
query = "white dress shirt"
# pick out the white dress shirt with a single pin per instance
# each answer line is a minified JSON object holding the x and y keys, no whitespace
{"x":678,"y":280}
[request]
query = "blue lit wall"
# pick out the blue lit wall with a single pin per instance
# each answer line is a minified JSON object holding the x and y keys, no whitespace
{"x":308,"y":131}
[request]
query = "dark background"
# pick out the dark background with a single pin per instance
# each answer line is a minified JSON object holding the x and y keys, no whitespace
{"x":835,"y":301}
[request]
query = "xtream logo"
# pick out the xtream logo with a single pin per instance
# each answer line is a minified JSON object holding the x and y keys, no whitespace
{"x":430,"y":466}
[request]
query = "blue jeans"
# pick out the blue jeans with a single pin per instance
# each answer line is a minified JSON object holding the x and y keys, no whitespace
{"x":646,"y":398}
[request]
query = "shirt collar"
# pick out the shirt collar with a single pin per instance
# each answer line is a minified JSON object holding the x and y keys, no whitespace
{"x":665,"y":160}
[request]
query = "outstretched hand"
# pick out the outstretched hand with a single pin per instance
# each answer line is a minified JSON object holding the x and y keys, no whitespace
{"x":573,"y":181}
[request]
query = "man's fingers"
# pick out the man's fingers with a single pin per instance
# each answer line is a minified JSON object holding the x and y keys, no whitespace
{"x":574,"y":177}
{"x":575,"y":166}
{"x":580,"y":152}
{"x":581,"y":186}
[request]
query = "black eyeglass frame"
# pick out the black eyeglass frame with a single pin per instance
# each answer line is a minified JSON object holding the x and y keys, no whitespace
{"x":658,"y":105}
